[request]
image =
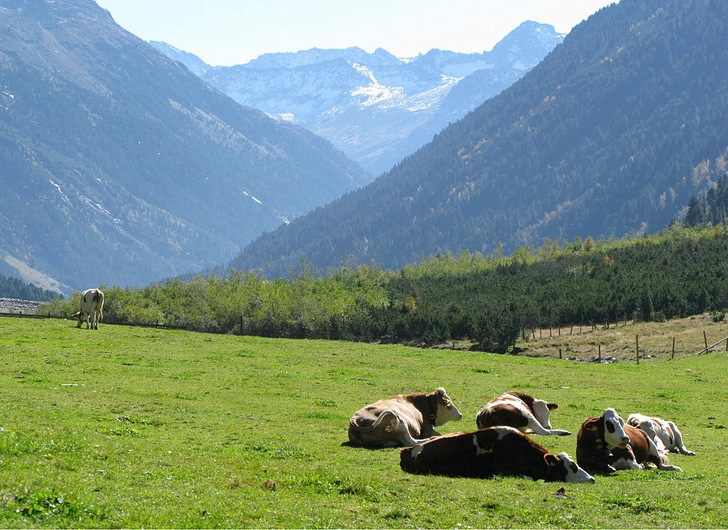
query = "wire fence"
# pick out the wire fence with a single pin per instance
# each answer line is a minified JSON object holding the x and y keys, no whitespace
{"x":628,"y":341}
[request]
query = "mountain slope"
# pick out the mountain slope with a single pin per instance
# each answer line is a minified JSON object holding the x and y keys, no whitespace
{"x":122,"y":167}
{"x":609,"y":135}
{"x":375,"y":107}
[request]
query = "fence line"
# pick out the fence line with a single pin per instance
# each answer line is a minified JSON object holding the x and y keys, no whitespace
{"x":708,"y":348}
{"x":595,"y":351}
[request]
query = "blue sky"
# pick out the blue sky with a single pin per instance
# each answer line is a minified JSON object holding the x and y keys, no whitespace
{"x":227,"y":32}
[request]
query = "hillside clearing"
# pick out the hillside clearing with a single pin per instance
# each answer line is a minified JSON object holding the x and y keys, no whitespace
{"x":619,"y":341}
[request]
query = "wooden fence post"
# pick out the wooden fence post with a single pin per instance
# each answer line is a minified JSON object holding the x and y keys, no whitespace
{"x":705,"y":337}
{"x":600,"y":353}
{"x":637,"y":347}
{"x":673,"y":348}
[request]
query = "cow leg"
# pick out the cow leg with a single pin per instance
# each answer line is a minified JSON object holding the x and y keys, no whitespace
{"x":625,"y":458}
{"x":626,"y":463}
{"x":660,"y":460}
{"x":537,"y":428}
{"x":679,"y":441}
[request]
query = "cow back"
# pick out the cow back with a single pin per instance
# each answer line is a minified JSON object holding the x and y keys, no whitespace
{"x":501,"y":414}
{"x":481,"y":454}
{"x":639,"y":444}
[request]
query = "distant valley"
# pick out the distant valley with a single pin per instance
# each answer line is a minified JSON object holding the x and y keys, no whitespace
{"x":121,"y":167}
{"x":375,"y":107}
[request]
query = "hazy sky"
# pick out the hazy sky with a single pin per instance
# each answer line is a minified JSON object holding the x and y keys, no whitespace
{"x":227,"y":32}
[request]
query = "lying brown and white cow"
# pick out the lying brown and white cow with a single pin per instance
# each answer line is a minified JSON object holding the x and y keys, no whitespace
{"x":606,"y":444}
{"x":402,"y":420}
{"x":521,"y":411}
{"x":489,"y":452}
{"x":92,"y":309}
{"x":664,"y":433}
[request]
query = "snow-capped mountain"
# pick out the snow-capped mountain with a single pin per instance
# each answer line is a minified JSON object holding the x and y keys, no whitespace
{"x":375,"y":107}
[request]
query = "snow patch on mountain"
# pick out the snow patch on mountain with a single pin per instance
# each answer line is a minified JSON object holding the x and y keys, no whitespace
{"x":377,"y":108}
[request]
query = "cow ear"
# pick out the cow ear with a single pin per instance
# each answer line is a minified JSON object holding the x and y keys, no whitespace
{"x":590,"y":425}
{"x":551,"y":459}
{"x":552,"y":406}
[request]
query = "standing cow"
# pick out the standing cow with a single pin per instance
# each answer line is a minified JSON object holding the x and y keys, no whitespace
{"x":92,"y":309}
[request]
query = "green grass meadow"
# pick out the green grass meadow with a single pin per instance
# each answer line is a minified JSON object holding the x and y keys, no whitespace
{"x":137,"y":427}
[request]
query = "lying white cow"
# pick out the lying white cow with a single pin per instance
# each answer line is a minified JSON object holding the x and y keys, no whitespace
{"x":402,"y":420}
{"x":664,"y":433}
{"x":521,"y":411}
{"x":92,"y":309}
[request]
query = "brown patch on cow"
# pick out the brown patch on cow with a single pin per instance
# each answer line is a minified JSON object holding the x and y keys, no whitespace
{"x":592,"y":452}
{"x":503,"y":414}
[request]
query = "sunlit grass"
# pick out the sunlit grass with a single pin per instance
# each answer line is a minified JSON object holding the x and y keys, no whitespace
{"x":132,"y":427}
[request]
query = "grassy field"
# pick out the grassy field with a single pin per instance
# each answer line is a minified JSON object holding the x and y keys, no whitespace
{"x":134,"y":427}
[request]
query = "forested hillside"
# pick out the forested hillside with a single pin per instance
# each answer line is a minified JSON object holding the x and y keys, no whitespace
{"x":14,"y":288}
{"x":486,"y":300}
{"x":605,"y":137}
{"x":711,"y":208}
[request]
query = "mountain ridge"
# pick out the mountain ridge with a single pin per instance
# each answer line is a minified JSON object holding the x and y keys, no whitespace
{"x":128,"y":153}
{"x":609,"y":135}
{"x":376,"y":108}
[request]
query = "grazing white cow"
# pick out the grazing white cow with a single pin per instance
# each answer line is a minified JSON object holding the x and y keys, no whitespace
{"x":664,"y":433}
{"x":92,"y":309}
{"x":607,"y":443}
{"x":495,"y":451}
{"x":521,"y":411}
{"x":402,"y":420}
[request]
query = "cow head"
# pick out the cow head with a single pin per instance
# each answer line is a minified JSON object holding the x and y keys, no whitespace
{"x":613,"y":428}
{"x":573,"y":472}
{"x":444,"y":408}
{"x":78,"y":315}
{"x":541,"y":411}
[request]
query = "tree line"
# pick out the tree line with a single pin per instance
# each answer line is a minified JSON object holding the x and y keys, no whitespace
{"x":15,"y":288}
{"x":488,"y":300}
